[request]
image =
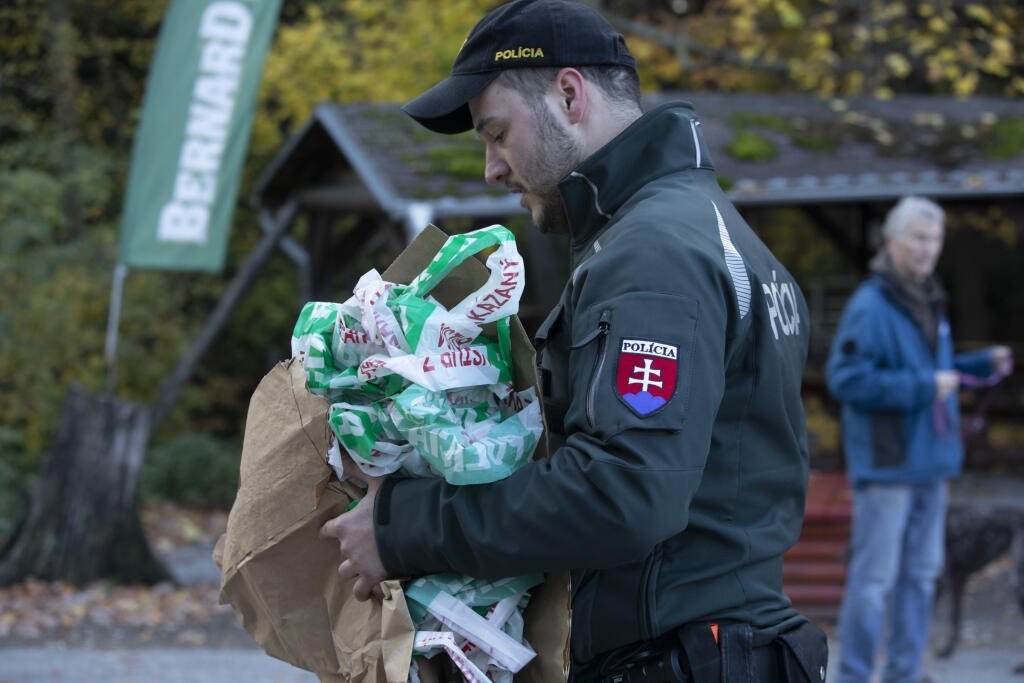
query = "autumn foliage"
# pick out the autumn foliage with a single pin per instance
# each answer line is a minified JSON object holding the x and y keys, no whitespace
{"x":72,"y":74}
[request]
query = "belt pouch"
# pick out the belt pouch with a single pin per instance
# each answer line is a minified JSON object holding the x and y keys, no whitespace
{"x":804,"y":654}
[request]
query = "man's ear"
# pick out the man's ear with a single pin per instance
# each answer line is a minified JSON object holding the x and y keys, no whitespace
{"x":570,"y":87}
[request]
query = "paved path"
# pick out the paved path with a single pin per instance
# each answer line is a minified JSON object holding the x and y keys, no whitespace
{"x":197,"y":665}
{"x":192,"y":665}
{"x":965,"y":666}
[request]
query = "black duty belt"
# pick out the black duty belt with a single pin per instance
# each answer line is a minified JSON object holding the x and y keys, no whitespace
{"x":712,"y":653}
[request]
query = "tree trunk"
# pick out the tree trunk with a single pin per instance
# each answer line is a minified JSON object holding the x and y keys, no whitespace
{"x":82,"y":523}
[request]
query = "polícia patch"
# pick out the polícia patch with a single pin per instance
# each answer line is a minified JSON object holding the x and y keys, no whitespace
{"x":646,"y":375}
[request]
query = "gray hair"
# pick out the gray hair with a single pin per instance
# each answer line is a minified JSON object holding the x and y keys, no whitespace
{"x":906,"y":210}
{"x":621,"y":84}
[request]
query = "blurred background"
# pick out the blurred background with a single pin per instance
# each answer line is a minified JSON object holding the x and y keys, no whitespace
{"x":819,"y":115}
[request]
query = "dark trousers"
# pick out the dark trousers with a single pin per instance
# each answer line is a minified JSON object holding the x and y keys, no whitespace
{"x":693,"y":654}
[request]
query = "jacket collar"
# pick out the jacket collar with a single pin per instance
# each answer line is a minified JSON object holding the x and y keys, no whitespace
{"x":665,"y":140}
{"x":924,"y":302}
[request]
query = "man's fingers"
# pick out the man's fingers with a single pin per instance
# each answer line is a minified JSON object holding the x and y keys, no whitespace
{"x":347,"y":570}
{"x":330,"y":528}
{"x":362,"y":588}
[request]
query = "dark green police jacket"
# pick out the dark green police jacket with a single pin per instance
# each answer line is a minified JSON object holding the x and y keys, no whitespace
{"x":671,"y":377}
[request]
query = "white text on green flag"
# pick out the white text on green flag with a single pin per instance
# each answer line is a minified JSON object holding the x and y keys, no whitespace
{"x":194,"y":131}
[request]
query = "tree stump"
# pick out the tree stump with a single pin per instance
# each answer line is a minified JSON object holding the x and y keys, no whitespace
{"x":83,"y":521}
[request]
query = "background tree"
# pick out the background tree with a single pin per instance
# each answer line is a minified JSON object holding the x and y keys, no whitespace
{"x":834,"y":47}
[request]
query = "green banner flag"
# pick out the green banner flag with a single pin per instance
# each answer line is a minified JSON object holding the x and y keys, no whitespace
{"x":192,"y":138}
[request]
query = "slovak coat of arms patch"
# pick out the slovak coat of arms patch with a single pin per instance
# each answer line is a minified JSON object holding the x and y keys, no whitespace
{"x":646,"y":376}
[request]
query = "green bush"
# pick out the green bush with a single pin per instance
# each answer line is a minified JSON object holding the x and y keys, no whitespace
{"x":194,"y":470}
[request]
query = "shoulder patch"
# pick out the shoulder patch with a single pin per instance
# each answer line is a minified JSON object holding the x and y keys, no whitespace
{"x":646,"y":375}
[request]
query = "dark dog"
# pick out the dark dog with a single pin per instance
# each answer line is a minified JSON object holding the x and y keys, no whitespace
{"x":977,"y":535}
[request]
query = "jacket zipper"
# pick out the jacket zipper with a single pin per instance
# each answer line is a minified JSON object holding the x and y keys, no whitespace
{"x":601,"y":335}
{"x":646,"y":598}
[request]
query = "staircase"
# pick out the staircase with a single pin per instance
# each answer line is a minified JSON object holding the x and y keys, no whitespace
{"x":815,"y":567}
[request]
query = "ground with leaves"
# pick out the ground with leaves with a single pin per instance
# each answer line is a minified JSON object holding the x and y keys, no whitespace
{"x":104,"y":616}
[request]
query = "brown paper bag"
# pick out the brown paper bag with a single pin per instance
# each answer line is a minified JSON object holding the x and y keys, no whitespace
{"x":282,"y":580}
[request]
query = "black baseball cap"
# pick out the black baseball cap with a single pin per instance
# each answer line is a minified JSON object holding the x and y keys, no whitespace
{"x":521,"y":34}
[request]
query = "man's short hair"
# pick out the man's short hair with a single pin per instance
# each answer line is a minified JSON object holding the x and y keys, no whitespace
{"x":906,"y":210}
{"x":621,"y":84}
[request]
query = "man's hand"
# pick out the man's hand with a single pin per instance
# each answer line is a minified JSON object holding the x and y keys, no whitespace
{"x":1002,"y":359}
{"x":946,"y":383}
{"x":354,"y":531}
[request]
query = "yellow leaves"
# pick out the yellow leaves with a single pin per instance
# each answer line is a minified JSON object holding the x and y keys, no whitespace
{"x":821,"y":40}
{"x":744,"y":24}
{"x":854,"y":82}
{"x":364,"y":50}
{"x":1007,"y":29}
{"x":966,"y":84}
{"x":889,"y":11}
{"x":897,"y":64}
{"x":922,"y":43}
{"x":750,"y":52}
{"x":980,"y":13}
{"x":938,"y":25}
{"x":656,"y":63}
{"x":871,"y":45}
{"x":388,"y":50}
{"x":859,"y":37}
{"x":1001,"y":49}
{"x":789,"y":16}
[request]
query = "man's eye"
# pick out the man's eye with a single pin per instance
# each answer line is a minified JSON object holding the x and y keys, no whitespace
{"x":499,"y":137}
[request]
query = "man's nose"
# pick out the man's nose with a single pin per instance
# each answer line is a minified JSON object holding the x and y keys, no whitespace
{"x":495,"y":169}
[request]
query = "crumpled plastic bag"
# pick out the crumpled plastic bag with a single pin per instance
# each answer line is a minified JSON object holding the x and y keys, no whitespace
{"x":418,"y":387}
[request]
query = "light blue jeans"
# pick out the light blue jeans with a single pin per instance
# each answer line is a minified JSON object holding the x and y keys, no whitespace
{"x":897,"y":544}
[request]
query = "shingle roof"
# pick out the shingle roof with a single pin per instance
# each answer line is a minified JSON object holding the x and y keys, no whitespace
{"x":805,"y":150}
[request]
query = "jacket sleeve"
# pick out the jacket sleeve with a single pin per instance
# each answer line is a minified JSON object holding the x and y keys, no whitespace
{"x":858,"y":371}
{"x":623,"y":481}
{"x":977,"y":363}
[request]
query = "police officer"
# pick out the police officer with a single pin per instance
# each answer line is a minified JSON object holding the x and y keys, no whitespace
{"x":670,"y":371}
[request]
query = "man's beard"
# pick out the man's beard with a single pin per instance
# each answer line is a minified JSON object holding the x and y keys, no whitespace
{"x":556,"y":153}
